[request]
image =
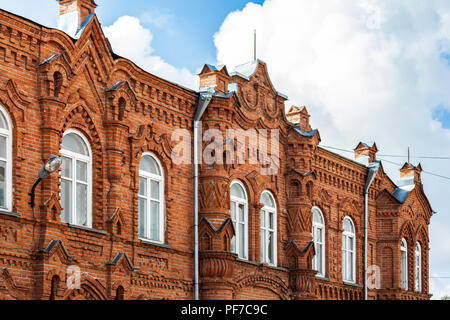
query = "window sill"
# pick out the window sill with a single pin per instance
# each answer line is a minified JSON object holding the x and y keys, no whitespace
{"x":353,"y":284}
{"x":87,"y":229}
{"x":157,"y":244}
{"x":247,"y":261}
{"x":271,"y":266}
{"x":320,"y":277}
{"x":9,"y":213}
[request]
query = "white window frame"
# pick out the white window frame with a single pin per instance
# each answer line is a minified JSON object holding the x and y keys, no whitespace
{"x":88,"y":160}
{"x":8,"y":173}
{"x":346,"y":251}
{"x":266,"y":230}
{"x":418,"y":268}
{"x":236,"y":201}
{"x":404,"y":264}
{"x":160,"y":179}
{"x":315,"y":227}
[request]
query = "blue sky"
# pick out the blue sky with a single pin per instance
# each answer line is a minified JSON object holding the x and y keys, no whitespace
{"x":367,"y":70}
{"x":183,"y":29}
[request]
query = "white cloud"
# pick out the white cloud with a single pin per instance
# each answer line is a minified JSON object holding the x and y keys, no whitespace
{"x":131,"y":40}
{"x":367,"y":70}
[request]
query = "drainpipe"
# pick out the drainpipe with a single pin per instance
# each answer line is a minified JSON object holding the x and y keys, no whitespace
{"x":204,"y":100}
{"x":373,"y":170}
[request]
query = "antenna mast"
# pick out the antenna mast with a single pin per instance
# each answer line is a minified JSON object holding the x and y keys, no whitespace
{"x":254,"y":45}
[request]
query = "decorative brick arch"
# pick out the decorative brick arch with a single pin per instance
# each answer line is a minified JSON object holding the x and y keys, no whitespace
{"x":79,"y":118}
{"x":87,"y":291}
{"x":251,"y":189}
{"x":57,"y":63}
{"x":264,"y":281}
{"x":407,"y":232}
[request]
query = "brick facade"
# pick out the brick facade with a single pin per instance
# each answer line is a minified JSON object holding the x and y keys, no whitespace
{"x":50,"y":82}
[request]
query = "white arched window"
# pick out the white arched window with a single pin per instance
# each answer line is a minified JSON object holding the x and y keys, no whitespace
{"x":5,"y":161}
{"x":239,"y":216}
{"x":76,"y":179}
{"x":348,"y":251}
{"x":151,"y":199}
{"x":318,"y":233}
{"x":418,"y":268}
{"x":404,"y":263}
{"x":268,"y":229}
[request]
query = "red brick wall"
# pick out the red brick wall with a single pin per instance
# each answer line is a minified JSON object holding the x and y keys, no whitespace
{"x":36,"y":247}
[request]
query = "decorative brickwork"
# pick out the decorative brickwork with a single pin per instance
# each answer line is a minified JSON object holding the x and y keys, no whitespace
{"x":50,"y":83}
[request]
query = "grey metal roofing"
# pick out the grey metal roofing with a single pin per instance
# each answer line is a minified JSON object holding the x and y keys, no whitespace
{"x":247,"y":70}
{"x":215,"y":68}
{"x":84,"y":25}
{"x":401,"y":194}
{"x":309,"y":134}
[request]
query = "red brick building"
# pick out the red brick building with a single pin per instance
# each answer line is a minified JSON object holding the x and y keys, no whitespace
{"x":121,"y":210}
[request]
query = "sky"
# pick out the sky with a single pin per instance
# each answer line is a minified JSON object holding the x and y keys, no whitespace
{"x":367,"y":70}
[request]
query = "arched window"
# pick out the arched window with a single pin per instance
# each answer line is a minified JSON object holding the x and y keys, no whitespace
{"x":76,"y":179}
{"x":418,"y":268}
{"x":318,"y":233}
{"x":239,"y":213}
{"x":5,"y":161}
{"x":404,"y":263}
{"x":348,"y":251}
{"x":151,"y":199}
{"x":268,"y":229}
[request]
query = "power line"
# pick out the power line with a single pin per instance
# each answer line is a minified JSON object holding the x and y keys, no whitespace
{"x":393,"y":156}
{"x":395,"y":163}
{"x":427,"y":172}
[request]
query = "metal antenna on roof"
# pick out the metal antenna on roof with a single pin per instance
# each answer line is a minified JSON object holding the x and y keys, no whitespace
{"x":254,"y":45}
{"x":409,"y":155}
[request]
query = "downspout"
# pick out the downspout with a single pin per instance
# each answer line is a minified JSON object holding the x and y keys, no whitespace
{"x":373,"y":170}
{"x":204,"y":100}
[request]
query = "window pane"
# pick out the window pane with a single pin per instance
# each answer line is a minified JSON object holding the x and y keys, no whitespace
{"x":263,"y":219}
{"x":3,"y":122}
{"x":142,"y":209}
{"x":82,"y":171}
{"x":81,"y":204}
{"x":233,"y":211}
{"x":271,"y":247}
{"x":317,"y":218}
{"x":319,"y":258}
{"x":233,"y":243}
{"x":318,"y":235}
{"x":237,"y":191}
{"x":263,"y":245}
{"x":241,"y":213}
{"x":75,"y":143}
{"x":3,"y":142}
{"x":66,"y":167}
{"x":148,"y":164}
{"x":344,"y":265}
{"x":142,"y":186}
{"x":271,"y":218}
{"x":350,"y":266}
{"x":348,"y":226}
{"x":241,"y":240}
{"x":154,"y":221}
{"x":66,"y":200}
{"x":267,"y":200}
{"x":154,"y":190}
{"x":3,"y":184}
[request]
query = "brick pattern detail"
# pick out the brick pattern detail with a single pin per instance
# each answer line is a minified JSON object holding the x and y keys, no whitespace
{"x":50,"y":83}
